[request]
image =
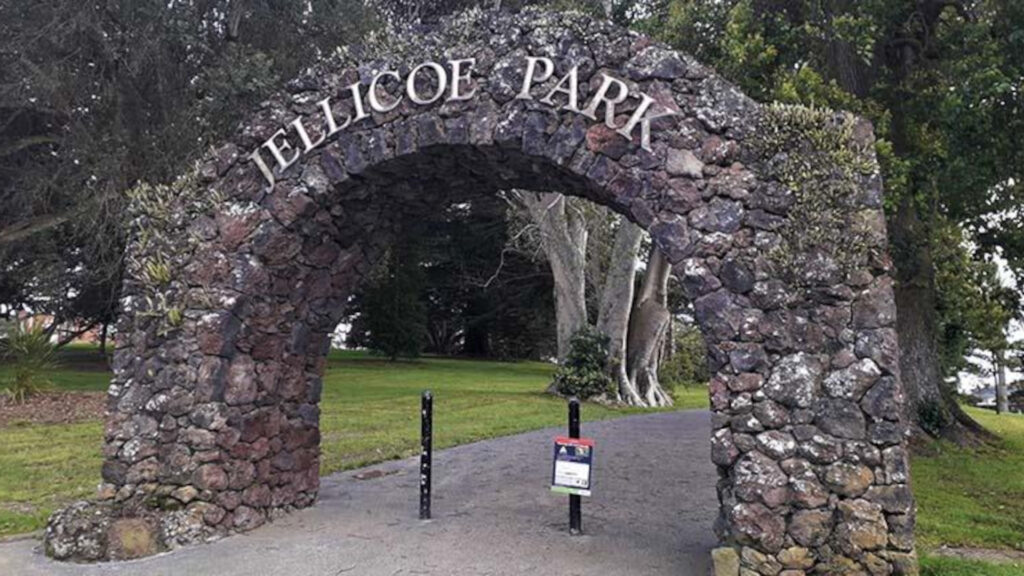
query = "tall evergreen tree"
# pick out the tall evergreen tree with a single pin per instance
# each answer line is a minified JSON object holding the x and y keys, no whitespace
{"x":393,"y":316}
{"x":478,"y":298}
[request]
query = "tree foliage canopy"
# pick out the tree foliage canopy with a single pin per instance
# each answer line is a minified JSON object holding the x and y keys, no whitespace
{"x":97,"y":97}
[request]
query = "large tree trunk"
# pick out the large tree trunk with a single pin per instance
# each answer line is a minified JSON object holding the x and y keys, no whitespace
{"x":616,"y":302}
{"x":103,"y":339}
{"x":1002,"y":394}
{"x":930,"y":404}
{"x":637,"y":331}
{"x":648,"y":327}
{"x":563,"y":234}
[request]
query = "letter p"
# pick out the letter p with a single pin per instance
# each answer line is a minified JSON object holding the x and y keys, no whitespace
{"x":532,"y":77}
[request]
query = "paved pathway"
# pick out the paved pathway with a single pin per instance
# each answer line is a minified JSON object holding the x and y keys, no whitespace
{"x":651,"y":514}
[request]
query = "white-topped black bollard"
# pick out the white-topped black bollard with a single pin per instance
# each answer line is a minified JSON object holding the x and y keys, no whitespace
{"x":426,"y":441}
{"x":575,"y":504}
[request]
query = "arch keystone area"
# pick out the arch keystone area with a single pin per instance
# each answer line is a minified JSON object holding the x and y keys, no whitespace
{"x":771,"y":215}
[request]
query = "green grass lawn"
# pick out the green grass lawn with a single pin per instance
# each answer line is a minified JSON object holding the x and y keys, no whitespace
{"x":81,"y":368}
{"x":43,"y":467}
{"x":972,"y":498}
{"x":935,"y":566}
{"x":969,"y":498}
{"x":370,"y":406}
{"x":370,"y":413}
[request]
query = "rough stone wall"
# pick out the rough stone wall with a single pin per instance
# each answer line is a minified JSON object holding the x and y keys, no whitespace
{"x":771,"y":217}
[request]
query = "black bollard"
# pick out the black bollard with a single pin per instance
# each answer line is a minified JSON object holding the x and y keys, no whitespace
{"x":426,"y":437}
{"x":575,"y":511}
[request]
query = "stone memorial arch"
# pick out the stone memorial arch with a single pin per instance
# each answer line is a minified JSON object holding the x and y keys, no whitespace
{"x":771,"y":216}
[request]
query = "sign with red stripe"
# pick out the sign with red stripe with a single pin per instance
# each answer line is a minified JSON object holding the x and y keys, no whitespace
{"x":573,"y":465}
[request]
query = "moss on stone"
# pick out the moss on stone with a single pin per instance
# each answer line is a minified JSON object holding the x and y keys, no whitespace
{"x":165,"y":503}
{"x":814,"y":153}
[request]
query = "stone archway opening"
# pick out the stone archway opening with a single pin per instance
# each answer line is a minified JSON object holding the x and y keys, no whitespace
{"x":771,"y":215}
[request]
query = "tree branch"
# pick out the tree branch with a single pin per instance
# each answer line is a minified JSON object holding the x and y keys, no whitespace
{"x":21,"y":230}
{"x":27,"y":142}
{"x":72,"y":336}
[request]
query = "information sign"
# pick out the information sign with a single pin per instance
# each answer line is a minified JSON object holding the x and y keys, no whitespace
{"x":571,"y":472}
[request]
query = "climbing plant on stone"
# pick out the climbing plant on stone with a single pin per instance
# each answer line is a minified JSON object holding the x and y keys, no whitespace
{"x":213,"y":423}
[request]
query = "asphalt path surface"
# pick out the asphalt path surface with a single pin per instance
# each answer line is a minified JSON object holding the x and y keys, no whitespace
{"x":493,"y":515}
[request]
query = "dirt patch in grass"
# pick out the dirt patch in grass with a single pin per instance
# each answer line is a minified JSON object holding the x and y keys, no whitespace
{"x":53,"y":408}
{"x":19,"y":507}
{"x":1015,"y":557}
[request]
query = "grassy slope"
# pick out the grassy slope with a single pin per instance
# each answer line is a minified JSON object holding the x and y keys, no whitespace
{"x":973,"y":498}
{"x":369,"y":414}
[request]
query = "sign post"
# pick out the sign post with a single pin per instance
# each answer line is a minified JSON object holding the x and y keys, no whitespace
{"x":571,"y":471}
{"x":575,"y":505}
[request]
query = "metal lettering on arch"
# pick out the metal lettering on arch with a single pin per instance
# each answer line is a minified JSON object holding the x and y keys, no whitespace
{"x":458,"y":74}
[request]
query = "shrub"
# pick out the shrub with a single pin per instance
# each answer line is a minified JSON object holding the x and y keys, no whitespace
{"x":584,"y":373}
{"x":29,"y":353}
{"x":688,"y":366}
